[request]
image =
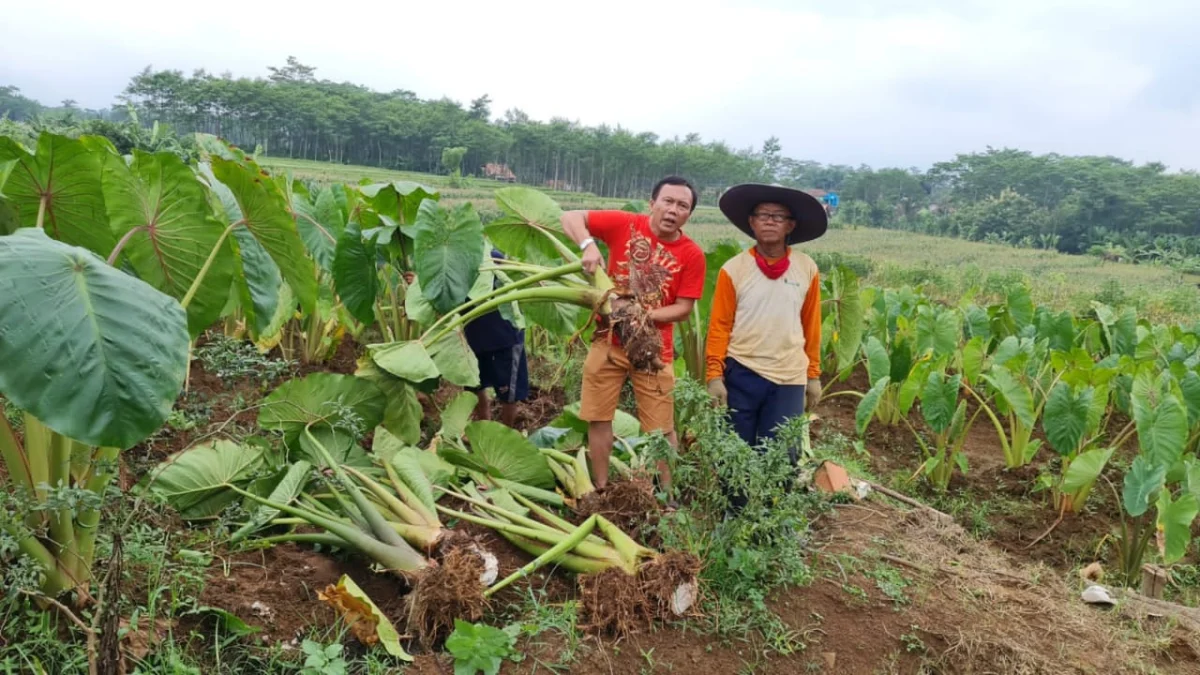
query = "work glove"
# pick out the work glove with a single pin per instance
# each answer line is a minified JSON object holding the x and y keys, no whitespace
{"x":716,"y":389}
{"x":812,"y":393}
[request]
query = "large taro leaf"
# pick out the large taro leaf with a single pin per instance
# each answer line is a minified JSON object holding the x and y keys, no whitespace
{"x":1175,"y":525}
{"x":973,"y":358}
{"x":399,"y":201}
{"x":95,"y":354}
{"x":559,"y":318}
{"x":1015,"y":394}
{"x":1085,"y":470}
{"x":437,"y":470}
{"x":1020,"y":307}
{"x":294,"y":478}
{"x":62,"y":183}
{"x":1059,"y":329}
{"x":1119,"y":331}
{"x":938,"y":400}
{"x":196,"y":481}
{"x":1162,"y":427}
{"x":416,"y":305}
{"x":848,"y":332}
{"x":320,"y":222}
{"x":407,"y":360}
{"x":338,"y":443}
{"x":257,"y":281}
{"x":869,"y":404}
{"x":978,"y":323}
{"x":1144,"y":479}
{"x":1189,"y":384}
{"x":879,"y":364}
{"x":448,"y":248}
{"x":1065,"y":417}
{"x":455,"y":360}
{"x":330,"y":400}
{"x":411,"y":472}
{"x":403,"y":414}
{"x":529,"y":229}
{"x":509,"y":455}
{"x":354,"y":273}
{"x":266,"y":214}
{"x":938,"y":332}
{"x":457,"y":414}
{"x":162,"y":207}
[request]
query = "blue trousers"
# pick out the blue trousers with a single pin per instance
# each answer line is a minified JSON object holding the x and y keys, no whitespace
{"x":757,"y":406}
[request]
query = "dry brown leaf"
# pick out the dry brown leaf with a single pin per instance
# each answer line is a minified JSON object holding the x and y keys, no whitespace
{"x":356,"y":613}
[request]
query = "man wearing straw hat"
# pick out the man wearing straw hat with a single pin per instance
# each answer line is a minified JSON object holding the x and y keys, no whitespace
{"x":764,"y":336}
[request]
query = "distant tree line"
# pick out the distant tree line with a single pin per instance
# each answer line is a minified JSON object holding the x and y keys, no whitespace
{"x":1103,"y":205}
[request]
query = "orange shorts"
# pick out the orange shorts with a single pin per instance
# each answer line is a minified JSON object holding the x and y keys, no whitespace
{"x":604,"y":374}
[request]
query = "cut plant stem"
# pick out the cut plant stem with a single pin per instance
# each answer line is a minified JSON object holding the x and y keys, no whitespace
{"x":543,"y":534}
{"x":558,"y":527}
{"x":402,"y":558}
{"x":568,"y":543}
{"x":398,"y":507}
{"x":560,"y":523}
{"x":590,"y":298}
{"x":375,"y":520}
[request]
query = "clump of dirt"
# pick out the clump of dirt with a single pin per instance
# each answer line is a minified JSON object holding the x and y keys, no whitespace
{"x":612,"y":603}
{"x":669,"y":583}
{"x":628,"y":504}
{"x":451,"y":590}
{"x":639,"y":336}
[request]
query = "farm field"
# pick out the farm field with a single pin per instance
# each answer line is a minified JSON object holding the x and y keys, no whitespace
{"x":261,"y":458}
{"x":945,"y":266}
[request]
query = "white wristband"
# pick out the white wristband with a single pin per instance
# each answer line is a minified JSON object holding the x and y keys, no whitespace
{"x":585,"y":243}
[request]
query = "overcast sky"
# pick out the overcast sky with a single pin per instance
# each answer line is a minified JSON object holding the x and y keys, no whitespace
{"x":881,"y":82}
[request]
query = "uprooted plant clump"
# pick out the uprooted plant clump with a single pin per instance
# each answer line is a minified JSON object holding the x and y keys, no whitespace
{"x":629,"y":504}
{"x":612,"y":603}
{"x":451,"y":590}
{"x":639,"y":336}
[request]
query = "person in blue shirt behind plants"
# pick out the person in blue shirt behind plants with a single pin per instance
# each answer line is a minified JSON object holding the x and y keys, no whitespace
{"x":499,"y":347}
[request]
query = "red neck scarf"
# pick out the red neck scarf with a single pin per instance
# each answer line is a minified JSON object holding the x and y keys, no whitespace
{"x":772,"y":270}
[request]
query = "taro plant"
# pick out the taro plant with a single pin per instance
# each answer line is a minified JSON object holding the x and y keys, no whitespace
{"x":906,"y":331}
{"x":946,"y":416}
{"x":1163,"y":476}
{"x":382,"y":219}
{"x":842,"y":324}
{"x":94,"y":359}
{"x":1072,"y":420}
{"x":691,"y":332}
{"x":1019,"y":375}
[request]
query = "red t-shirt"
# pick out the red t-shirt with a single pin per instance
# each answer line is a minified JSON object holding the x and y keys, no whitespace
{"x":661,"y":270}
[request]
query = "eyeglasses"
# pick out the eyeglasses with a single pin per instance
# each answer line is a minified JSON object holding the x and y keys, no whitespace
{"x":773,"y":217}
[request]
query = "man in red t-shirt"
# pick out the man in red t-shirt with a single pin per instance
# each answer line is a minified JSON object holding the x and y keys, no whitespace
{"x":653,"y":261}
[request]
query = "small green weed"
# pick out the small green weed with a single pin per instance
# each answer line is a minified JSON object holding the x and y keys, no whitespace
{"x":231,"y":359}
{"x":479,"y":647}
{"x":891,"y":582}
{"x":323,"y":659}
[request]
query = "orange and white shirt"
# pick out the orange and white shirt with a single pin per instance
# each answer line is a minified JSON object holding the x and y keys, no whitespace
{"x":771,"y":326}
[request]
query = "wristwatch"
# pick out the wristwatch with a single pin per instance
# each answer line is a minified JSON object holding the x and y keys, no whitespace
{"x":585,"y":243}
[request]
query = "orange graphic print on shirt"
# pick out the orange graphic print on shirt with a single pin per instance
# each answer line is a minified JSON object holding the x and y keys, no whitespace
{"x":646,"y":271}
{"x":642,"y":266}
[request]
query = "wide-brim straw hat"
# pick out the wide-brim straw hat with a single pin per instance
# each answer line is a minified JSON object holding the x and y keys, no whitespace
{"x":739,"y":202}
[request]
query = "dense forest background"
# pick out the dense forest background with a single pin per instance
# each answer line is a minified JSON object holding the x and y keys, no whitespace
{"x":1105,"y":206}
